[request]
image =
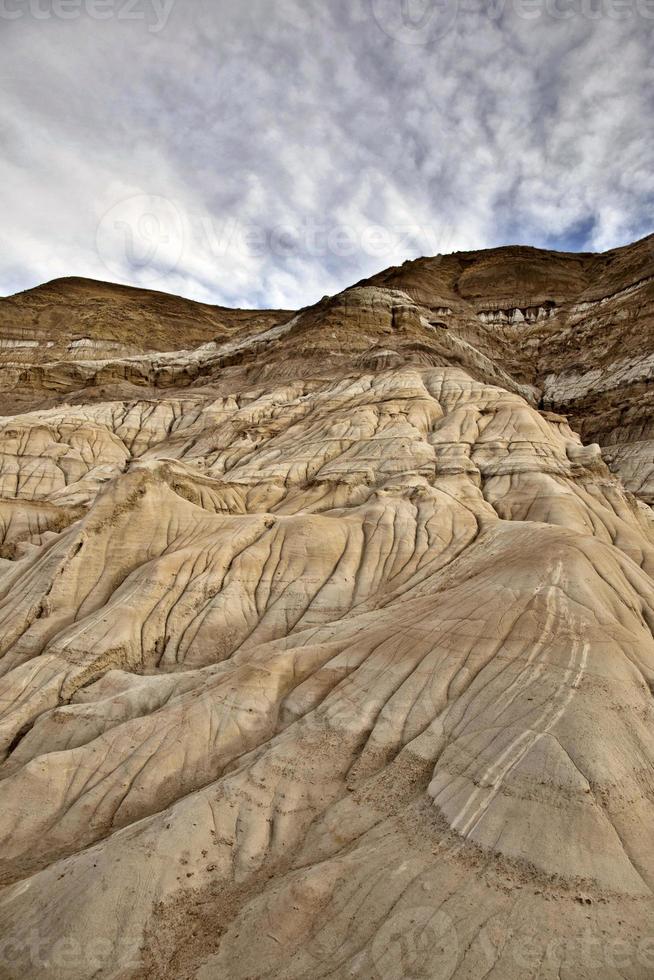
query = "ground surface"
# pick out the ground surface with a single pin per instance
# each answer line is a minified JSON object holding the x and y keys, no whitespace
{"x":326,"y":638}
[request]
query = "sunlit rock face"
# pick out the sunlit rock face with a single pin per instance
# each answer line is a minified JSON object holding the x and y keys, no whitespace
{"x":326,"y":642}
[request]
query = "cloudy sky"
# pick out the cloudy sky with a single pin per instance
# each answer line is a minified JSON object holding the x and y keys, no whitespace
{"x":267,"y":152}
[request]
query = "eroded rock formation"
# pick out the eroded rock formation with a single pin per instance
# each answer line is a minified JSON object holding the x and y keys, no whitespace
{"x":327,"y":640}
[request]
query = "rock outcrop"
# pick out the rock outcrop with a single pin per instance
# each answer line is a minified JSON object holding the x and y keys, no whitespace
{"x":327,"y":642}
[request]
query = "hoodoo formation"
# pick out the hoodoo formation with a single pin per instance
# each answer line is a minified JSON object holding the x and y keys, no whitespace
{"x":327,"y":636}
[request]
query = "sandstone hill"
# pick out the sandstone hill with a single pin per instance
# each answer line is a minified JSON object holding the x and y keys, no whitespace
{"x":327,"y":637}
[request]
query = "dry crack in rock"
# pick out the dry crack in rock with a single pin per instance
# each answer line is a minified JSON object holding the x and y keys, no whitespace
{"x":327,"y":636}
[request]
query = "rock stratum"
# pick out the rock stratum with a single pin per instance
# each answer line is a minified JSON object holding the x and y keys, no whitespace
{"x":327,"y":637}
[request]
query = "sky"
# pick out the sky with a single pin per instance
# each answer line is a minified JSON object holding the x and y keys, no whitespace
{"x":265,"y":153}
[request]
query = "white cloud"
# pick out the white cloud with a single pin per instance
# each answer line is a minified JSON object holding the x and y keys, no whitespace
{"x":304,"y":147}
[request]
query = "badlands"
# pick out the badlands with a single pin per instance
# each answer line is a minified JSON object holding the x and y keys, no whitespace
{"x":327,"y":636}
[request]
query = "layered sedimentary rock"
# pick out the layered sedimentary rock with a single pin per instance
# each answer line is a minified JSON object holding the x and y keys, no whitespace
{"x":327,"y":643}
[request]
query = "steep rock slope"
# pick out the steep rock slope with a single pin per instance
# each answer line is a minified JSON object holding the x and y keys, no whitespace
{"x":580,"y":327}
{"x":572,"y":332}
{"x":327,"y":649}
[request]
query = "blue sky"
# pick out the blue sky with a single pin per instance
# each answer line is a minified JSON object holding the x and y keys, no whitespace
{"x":265,"y":153}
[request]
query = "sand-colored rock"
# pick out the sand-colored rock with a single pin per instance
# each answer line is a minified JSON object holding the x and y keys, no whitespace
{"x":327,"y":646}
